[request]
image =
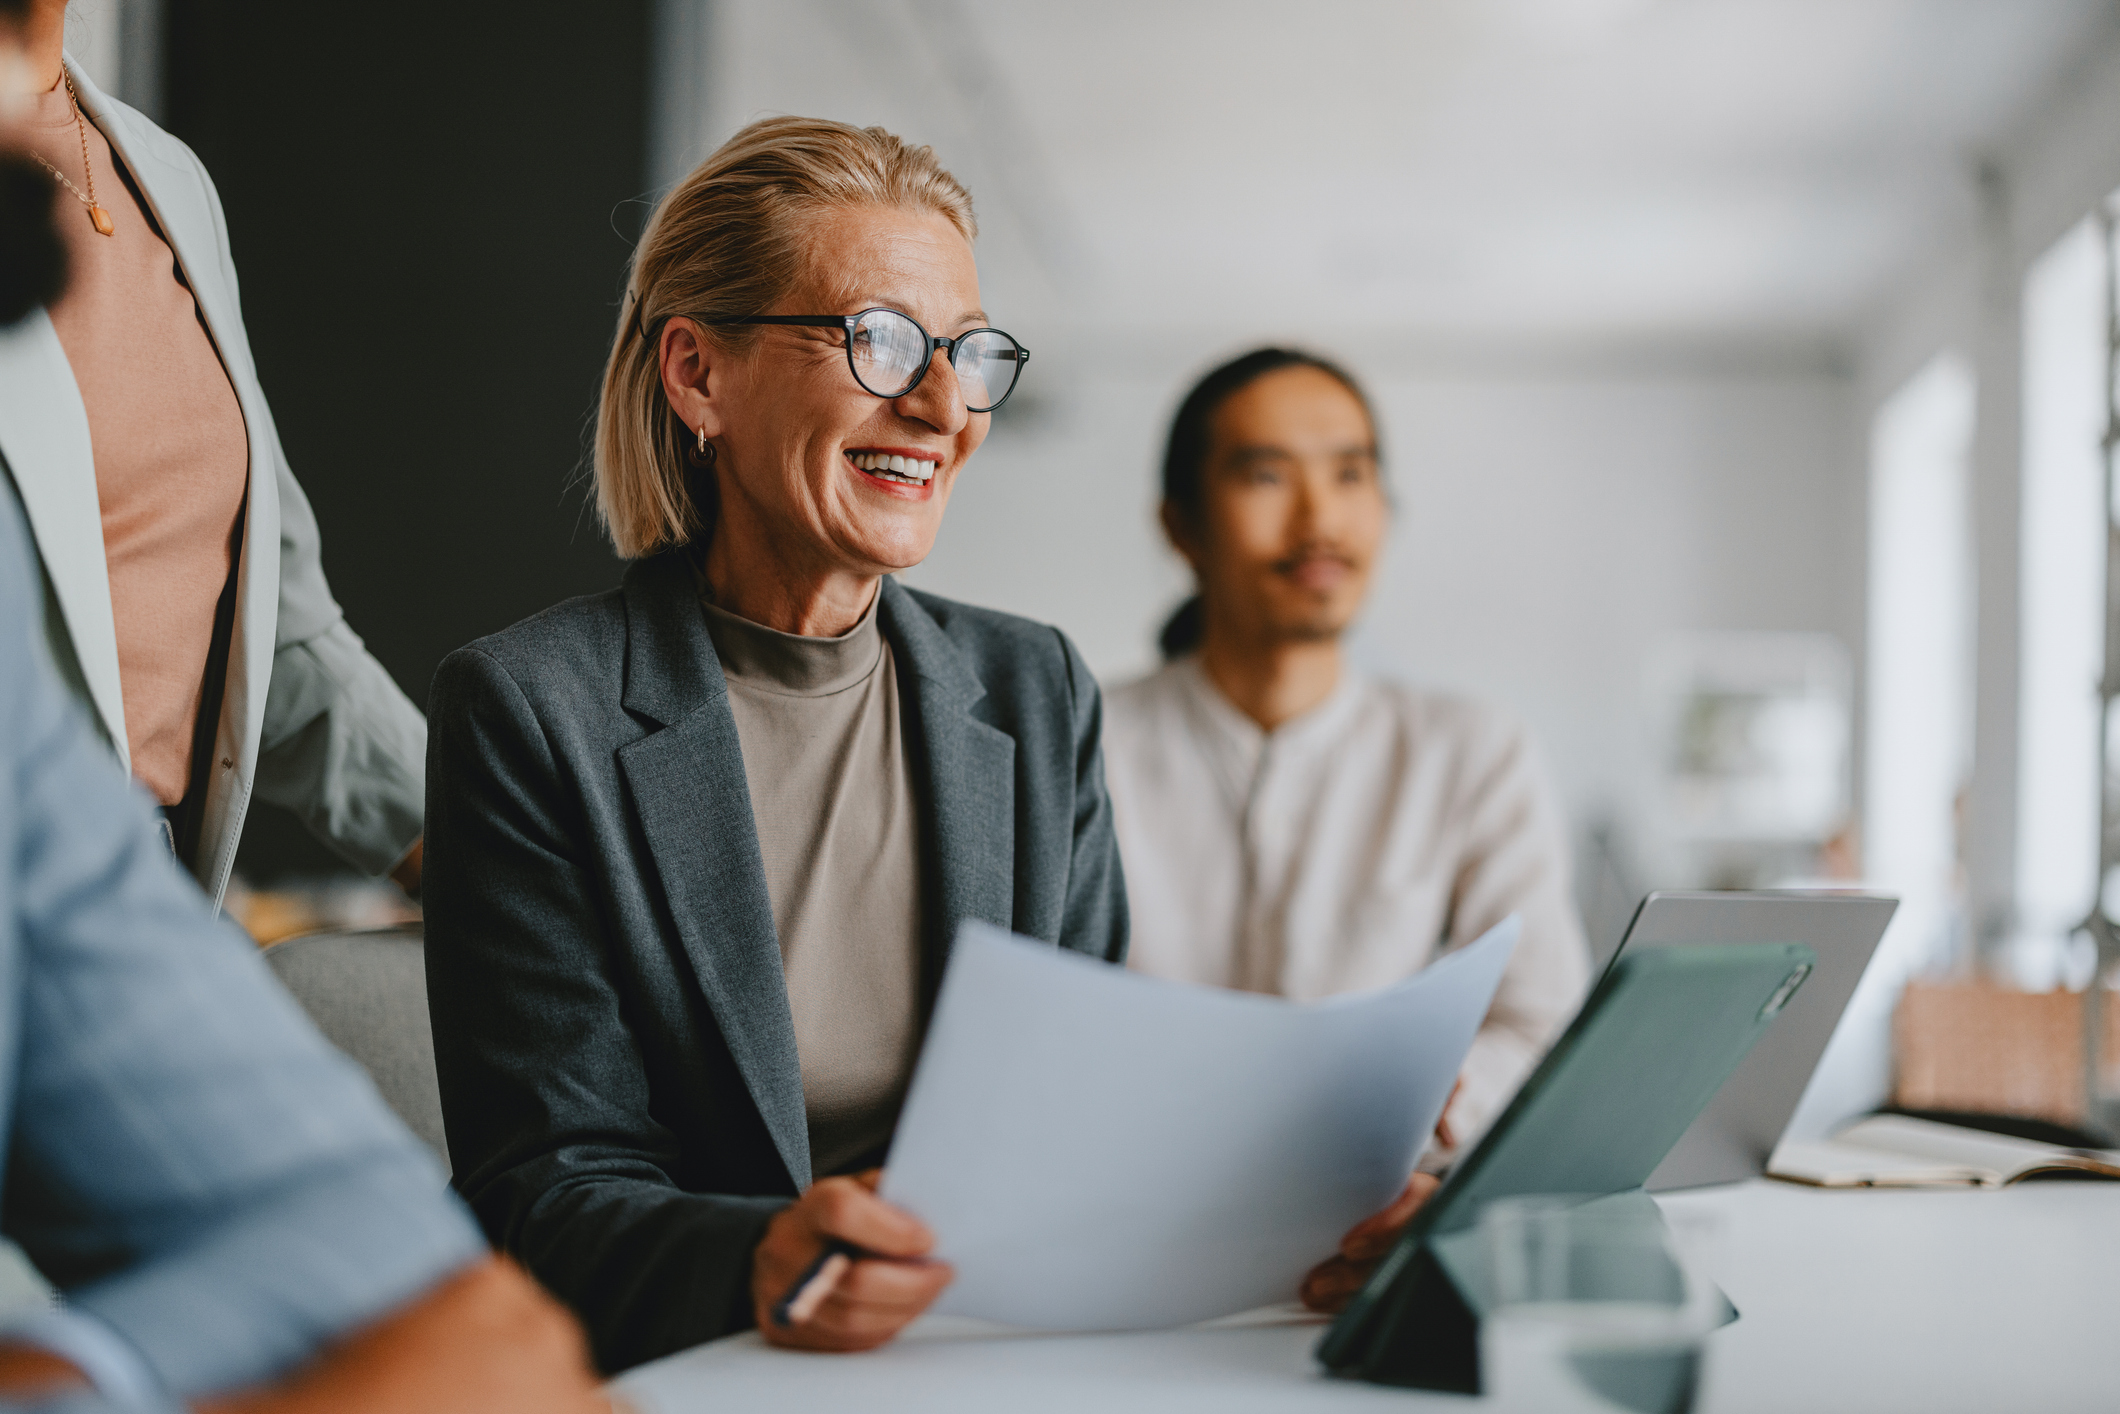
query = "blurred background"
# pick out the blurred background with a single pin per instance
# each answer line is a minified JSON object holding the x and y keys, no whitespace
{"x":1745,"y":367}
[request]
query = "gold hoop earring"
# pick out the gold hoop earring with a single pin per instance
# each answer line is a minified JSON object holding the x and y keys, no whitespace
{"x":702,"y":439}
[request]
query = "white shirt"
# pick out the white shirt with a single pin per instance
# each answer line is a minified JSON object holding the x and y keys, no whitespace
{"x":1344,"y":850}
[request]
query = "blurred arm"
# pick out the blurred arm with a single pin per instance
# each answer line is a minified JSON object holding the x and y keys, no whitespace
{"x":190,"y":1162}
{"x":55,"y":1348}
{"x":1515,"y":861}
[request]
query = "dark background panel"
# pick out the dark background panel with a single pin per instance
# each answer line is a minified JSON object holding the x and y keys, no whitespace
{"x":431,"y":208}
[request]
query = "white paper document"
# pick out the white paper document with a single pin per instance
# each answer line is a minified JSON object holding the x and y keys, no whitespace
{"x":1097,"y":1150}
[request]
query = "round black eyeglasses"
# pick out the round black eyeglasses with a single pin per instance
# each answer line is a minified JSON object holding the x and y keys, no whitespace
{"x":890,"y":353}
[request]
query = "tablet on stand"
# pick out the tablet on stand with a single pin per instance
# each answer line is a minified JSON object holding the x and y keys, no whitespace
{"x":1660,"y":1033}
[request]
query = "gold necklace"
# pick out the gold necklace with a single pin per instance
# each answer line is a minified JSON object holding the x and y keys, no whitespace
{"x":97,"y":216}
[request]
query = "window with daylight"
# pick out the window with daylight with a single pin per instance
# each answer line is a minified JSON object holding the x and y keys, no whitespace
{"x":2061,"y":609}
{"x":1920,"y":675}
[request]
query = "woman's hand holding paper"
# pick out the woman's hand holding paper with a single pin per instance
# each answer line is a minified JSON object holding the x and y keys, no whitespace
{"x":1333,"y":1282}
{"x":872,"y":1298}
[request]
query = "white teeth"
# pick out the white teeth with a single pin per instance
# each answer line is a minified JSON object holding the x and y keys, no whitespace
{"x":895,"y":468}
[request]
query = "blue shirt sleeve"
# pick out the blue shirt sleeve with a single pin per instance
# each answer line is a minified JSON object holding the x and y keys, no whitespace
{"x":117,"y":1371}
{"x":191,"y":1163}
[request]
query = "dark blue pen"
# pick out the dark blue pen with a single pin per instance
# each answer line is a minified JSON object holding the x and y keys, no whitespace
{"x":816,"y":1283}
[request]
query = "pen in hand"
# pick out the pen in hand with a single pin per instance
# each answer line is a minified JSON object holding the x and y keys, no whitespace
{"x":817,"y":1282}
{"x":874,"y":1276}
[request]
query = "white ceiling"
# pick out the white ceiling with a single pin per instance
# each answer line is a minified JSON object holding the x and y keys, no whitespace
{"x":1448,"y":172}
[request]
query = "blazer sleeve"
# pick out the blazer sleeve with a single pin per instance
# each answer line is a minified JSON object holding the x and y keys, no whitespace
{"x":343,"y":748}
{"x":545,"y":1094}
{"x":1095,"y":921}
{"x":189,"y":1161}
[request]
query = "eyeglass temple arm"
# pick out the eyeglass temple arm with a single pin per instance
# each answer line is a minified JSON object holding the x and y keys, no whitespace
{"x":846,"y":321}
{"x":807,"y":321}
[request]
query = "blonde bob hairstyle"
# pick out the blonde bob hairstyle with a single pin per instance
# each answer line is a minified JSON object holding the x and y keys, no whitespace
{"x":728,"y":241}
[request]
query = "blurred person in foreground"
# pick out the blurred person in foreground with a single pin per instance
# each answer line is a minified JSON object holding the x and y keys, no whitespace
{"x":230,"y":1215}
{"x":188,"y":609}
{"x":1290,"y":826}
{"x":698,"y":847}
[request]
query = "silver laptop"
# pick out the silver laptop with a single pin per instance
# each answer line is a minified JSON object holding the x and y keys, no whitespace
{"x":1736,"y":1134}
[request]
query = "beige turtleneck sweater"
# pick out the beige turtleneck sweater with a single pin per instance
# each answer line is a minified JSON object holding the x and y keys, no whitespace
{"x":831,"y":793}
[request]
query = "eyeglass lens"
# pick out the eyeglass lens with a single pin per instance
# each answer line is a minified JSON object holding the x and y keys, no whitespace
{"x":890,"y":352}
{"x":986,"y":367}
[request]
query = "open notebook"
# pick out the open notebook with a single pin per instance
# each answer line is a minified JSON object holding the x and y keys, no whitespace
{"x":1895,"y":1151}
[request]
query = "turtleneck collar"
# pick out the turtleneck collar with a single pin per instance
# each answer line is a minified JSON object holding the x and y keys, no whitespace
{"x":789,"y":663}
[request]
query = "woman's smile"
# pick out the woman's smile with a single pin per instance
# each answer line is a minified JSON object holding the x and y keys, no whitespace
{"x":908,"y":472}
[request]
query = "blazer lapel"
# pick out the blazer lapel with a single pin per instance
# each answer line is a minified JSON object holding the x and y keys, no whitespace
{"x":688,"y":786}
{"x":184,"y":206}
{"x":971,"y":773}
{"x":44,"y":438}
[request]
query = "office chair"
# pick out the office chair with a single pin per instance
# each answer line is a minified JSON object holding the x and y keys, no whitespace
{"x":367,"y":992}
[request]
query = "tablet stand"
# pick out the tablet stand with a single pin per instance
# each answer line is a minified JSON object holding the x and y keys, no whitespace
{"x":1426,"y":1335}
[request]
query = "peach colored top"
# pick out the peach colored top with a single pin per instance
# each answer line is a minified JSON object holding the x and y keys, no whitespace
{"x":172,"y":454}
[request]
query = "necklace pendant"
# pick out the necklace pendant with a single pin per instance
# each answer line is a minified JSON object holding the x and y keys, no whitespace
{"x":100,"y":219}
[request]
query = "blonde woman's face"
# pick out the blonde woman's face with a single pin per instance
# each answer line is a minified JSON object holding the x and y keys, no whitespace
{"x":797,"y":438}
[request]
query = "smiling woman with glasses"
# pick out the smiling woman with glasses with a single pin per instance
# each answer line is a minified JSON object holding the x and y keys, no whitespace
{"x":697,"y":847}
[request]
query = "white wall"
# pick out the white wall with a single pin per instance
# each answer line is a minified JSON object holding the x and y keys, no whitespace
{"x":2031,"y":188}
{"x":1552,"y":526}
{"x":1556,"y":528}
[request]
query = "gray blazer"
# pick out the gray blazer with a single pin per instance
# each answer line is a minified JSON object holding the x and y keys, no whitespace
{"x":309,"y":720}
{"x":618,"y":1068}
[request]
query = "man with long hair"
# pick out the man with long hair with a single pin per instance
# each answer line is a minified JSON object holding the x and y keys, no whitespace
{"x":1291,"y":826}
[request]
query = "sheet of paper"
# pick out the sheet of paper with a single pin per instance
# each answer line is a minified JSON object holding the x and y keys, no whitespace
{"x":1097,"y":1150}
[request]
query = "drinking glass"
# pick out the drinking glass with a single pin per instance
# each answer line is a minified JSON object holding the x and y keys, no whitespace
{"x":1597,"y":1307}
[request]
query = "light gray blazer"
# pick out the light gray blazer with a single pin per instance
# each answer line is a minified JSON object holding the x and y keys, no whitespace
{"x":309,"y":720}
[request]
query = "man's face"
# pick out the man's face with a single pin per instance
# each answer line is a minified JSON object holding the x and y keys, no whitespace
{"x":1294,"y":510}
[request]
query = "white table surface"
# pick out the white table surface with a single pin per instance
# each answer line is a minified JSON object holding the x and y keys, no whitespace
{"x":1865,"y":1301}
